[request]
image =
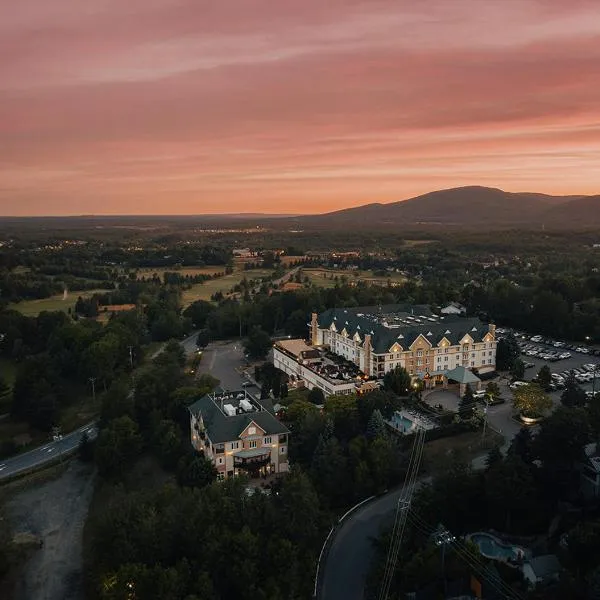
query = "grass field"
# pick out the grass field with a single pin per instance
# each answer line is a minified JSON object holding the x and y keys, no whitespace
{"x":182,"y":271}
{"x":203,"y":291}
{"x":326,"y":277}
{"x":32,"y":308}
{"x":439,"y":454}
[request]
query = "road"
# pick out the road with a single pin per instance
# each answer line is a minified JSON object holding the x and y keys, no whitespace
{"x":226,"y":362}
{"x":349,"y":559}
{"x":69,"y":442}
{"x":52,"y":450}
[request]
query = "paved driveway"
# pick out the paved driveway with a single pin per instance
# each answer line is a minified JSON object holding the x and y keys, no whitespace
{"x":226,"y":362}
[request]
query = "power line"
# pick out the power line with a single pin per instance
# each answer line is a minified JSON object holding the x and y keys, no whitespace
{"x":468,"y":556}
{"x":402,"y":509}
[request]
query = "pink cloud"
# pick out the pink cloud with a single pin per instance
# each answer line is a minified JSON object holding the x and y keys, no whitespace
{"x":186,"y":106}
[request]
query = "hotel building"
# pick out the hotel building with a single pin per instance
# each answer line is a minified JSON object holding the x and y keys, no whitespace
{"x":239,"y":435}
{"x":377,"y":339}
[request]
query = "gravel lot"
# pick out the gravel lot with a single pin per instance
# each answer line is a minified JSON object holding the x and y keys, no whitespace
{"x":54,"y":511}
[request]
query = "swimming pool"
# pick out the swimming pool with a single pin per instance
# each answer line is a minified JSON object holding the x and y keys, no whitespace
{"x":492,"y":547}
{"x":401,"y":423}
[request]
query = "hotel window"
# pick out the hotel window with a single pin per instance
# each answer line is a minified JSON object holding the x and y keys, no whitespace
{"x":220,"y":461}
{"x":472,"y":363}
{"x":267,"y":440}
{"x":235,"y":445}
{"x":418,"y":361}
{"x":490,"y":353}
{"x":252,"y":444}
{"x":420,"y":353}
{"x":445,"y":359}
{"x":473,"y":354}
{"x":446,"y":350}
{"x":282,"y":450}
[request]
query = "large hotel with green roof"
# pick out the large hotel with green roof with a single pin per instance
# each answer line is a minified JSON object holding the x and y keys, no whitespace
{"x":375,"y":339}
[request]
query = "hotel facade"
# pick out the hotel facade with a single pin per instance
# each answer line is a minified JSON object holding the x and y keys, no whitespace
{"x":239,"y":435}
{"x":377,"y":339}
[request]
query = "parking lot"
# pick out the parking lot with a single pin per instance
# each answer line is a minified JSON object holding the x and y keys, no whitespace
{"x":575,"y":361}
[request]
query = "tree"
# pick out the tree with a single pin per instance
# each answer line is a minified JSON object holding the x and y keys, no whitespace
{"x":203,"y":338}
{"x":507,"y":352}
{"x":198,"y":312}
{"x":376,"y":426}
{"x":573,"y":395}
{"x":511,"y":491}
{"x":465,"y":406}
{"x":492,"y":390}
{"x":398,"y":381}
{"x":316,"y":396}
{"x":563,"y":436}
{"x":86,"y":448}
{"x":517,"y":370}
{"x":117,"y":446}
{"x":195,"y":471}
{"x":531,"y":401}
{"x":493,"y":457}
{"x":258,"y":343}
{"x":4,"y":387}
{"x":329,"y":470}
{"x":522,"y":446}
{"x":544,"y":377}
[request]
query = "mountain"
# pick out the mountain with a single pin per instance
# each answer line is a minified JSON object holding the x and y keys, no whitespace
{"x":583,"y":212}
{"x":471,"y":206}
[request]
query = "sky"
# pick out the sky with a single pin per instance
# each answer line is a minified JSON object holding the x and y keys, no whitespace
{"x":291,"y":106}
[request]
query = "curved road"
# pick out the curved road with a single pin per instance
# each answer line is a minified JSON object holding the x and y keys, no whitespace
{"x":52,"y":450}
{"x":351,"y":552}
{"x":69,"y":442}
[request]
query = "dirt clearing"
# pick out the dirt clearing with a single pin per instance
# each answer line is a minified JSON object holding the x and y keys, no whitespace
{"x":55,"y":512}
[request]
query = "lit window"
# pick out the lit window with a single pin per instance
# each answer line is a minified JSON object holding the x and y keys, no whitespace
{"x":267,"y":440}
{"x":235,"y":445}
{"x":253,"y":444}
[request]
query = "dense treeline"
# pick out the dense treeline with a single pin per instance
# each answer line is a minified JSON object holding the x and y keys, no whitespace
{"x":195,"y":538}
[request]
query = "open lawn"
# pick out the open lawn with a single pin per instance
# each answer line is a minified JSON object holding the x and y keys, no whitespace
{"x":326,"y":277}
{"x":148,"y":273}
{"x":203,"y":291}
{"x":410,"y":243}
{"x":438,"y":454}
{"x":32,"y":308}
{"x":286,"y":260}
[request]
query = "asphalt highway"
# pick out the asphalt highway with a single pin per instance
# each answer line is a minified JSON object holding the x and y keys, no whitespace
{"x":53,"y":449}
{"x":69,"y":442}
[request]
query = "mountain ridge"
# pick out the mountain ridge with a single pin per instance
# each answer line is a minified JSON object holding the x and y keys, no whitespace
{"x":471,"y":206}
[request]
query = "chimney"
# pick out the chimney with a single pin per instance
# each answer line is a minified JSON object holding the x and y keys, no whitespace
{"x":492,"y":329}
{"x":314,"y":329}
{"x":367,"y":347}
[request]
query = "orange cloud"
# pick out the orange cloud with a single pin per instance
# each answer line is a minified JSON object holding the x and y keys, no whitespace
{"x":187,"y":106}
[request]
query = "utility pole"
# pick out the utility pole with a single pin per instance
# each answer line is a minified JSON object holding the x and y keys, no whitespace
{"x":442,"y":538}
{"x":93,"y":382}
{"x":131,"y":356}
{"x":484,"y":419}
{"x":240,"y":318}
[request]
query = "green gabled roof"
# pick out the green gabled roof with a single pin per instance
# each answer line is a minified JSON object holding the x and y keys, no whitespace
{"x":221,"y":428}
{"x":361,"y":321}
{"x":462,"y":375}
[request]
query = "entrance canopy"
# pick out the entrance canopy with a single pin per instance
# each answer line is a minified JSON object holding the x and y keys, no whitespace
{"x":461,"y":375}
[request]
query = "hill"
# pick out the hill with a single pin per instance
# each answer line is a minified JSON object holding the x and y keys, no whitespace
{"x":468,"y":206}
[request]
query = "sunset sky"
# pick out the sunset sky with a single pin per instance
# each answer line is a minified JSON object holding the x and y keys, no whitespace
{"x":291,"y":106}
